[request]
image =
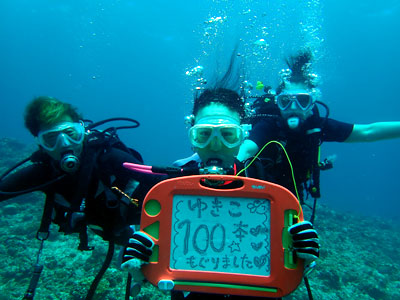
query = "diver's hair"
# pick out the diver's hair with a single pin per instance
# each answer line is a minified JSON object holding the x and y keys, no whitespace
{"x":300,"y":70}
{"x":231,"y":78}
{"x":227,"y":97}
{"x":46,"y":111}
{"x":224,"y":90}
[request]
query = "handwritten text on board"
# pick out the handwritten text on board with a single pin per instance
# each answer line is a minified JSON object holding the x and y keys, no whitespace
{"x":220,"y":234}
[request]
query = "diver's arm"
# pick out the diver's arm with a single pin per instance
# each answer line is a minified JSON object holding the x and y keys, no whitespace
{"x":23,"y":180}
{"x":247,"y":150}
{"x":114,"y":160}
{"x":374,"y":132}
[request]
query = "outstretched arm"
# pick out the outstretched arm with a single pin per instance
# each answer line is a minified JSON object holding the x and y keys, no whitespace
{"x":374,"y":132}
{"x":248,"y":149}
{"x":23,"y":181}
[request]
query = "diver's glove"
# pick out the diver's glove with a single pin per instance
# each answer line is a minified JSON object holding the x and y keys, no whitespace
{"x":136,"y":253}
{"x":140,"y":246}
{"x":305,"y":243}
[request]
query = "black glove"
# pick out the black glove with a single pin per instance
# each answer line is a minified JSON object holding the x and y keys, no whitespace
{"x":140,"y":246}
{"x":134,"y":255}
{"x":305,"y":241}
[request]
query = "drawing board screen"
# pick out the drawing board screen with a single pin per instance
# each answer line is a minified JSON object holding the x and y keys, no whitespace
{"x":220,"y":234}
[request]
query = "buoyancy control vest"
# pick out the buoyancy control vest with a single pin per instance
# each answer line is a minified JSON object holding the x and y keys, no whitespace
{"x":304,"y":143}
{"x":96,"y":189}
{"x":97,"y":143}
{"x":68,"y":214}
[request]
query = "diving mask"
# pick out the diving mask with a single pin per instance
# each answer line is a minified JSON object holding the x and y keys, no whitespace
{"x":303,"y":100}
{"x":61,"y":135}
{"x":226,"y":130}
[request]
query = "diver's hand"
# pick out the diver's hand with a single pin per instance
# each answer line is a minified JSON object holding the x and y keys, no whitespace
{"x":140,"y":246}
{"x":136,"y":253}
{"x":305,"y":243}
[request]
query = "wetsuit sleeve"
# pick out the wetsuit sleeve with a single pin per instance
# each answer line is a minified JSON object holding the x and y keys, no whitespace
{"x":24,"y":179}
{"x":262,"y":132}
{"x":135,"y":184}
{"x":336,"y":131}
{"x":113,"y":160}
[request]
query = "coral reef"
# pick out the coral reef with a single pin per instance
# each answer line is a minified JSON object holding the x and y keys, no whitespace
{"x":358,"y":254}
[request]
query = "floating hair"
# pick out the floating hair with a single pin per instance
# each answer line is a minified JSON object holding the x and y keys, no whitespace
{"x":300,"y":65}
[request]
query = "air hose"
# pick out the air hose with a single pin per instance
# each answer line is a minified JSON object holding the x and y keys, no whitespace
{"x":104,"y":267}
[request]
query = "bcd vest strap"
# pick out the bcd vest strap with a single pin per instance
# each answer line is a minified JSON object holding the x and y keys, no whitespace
{"x":315,"y":142}
{"x":77,"y":220}
{"x":46,"y":218}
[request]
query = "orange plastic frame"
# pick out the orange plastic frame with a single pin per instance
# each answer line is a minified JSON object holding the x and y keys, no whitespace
{"x":285,"y":272}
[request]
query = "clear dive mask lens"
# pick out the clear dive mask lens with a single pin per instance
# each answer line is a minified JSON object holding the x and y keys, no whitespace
{"x":303,"y":100}
{"x":201,"y":135}
{"x":60,"y":135}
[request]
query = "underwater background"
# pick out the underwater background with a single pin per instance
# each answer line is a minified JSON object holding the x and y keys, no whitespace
{"x":134,"y":59}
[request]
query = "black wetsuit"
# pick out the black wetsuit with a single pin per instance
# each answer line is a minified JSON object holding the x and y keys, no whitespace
{"x":106,"y":210}
{"x":301,"y":146}
{"x":179,"y":295}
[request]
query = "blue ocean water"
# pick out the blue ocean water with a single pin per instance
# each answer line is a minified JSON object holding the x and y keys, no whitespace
{"x":129,"y":58}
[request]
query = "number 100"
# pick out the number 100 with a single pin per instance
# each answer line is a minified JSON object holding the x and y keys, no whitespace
{"x":203,"y":235}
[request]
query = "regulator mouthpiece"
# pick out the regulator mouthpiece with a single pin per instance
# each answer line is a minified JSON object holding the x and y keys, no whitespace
{"x":213,"y":166}
{"x":293,"y":122}
{"x":69,"y":163}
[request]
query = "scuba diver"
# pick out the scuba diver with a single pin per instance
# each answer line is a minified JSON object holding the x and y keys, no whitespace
{"x":80,"y":171}
{"x":291,"y":117}
{"x":216,"y":134}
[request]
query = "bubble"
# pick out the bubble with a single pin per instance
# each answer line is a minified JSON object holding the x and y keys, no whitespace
{"x":202,"y":80}
{"x":215,"y":20}
{"x":260,"y":42}
{"x":212,"y":25}
{"x":189,"y":120}
{"x":247,"y":85}
{"x":196,"y":71}
{"x":285,"y":75}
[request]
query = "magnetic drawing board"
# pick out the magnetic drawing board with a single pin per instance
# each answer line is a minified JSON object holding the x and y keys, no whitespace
{"x":227,"y":239}
{"x":220,"y":234}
